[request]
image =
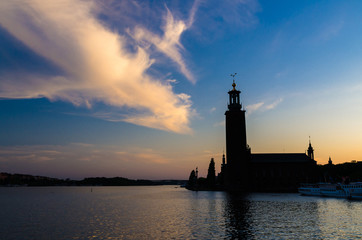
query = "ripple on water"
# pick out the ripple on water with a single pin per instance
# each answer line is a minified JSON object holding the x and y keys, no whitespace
{"x":165,"y":212}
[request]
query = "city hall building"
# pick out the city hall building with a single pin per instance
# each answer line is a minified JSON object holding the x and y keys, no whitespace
{"x":243,"y":170}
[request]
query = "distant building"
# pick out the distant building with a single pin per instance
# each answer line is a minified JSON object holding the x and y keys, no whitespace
{"x":330,"y":161}
{"x":244,"y":171}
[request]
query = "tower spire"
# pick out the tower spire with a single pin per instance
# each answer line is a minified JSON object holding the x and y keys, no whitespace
{"x":234,"y":96}
{"x":310,"y":150}
{"x":223,"y":157}
{"x":234,"y":84}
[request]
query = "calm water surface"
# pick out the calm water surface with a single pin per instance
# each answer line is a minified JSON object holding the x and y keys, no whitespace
{"x":167,"y":212}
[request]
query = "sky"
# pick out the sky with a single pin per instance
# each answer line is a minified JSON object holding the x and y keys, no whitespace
{"x":138,"y":89}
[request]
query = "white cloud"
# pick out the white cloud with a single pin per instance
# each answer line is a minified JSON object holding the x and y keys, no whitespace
{"x":254,"y":107}
{"x":273,"y":104}
{"x":96,"y":62}
{"x":169,"y":44}
{"x":172,"y":81}
{"x":261,"y":106}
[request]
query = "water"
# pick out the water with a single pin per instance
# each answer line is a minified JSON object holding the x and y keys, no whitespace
{"x":166,"y":212}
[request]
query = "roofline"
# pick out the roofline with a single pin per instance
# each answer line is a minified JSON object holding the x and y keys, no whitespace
{"x":278,"y":153}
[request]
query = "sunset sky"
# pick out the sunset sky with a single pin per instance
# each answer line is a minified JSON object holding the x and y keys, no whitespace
{"x":138,"y":89}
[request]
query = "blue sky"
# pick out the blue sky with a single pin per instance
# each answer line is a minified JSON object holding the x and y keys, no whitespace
{"x":139,"y":88}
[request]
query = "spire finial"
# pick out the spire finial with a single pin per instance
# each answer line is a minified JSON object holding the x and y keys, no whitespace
{"x":234,"y":85}
{"x":223,"y":158}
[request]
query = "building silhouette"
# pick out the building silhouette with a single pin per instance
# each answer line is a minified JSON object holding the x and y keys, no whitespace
{"x":246,"y":171}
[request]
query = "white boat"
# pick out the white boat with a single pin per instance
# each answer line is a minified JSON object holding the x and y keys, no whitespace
{"x":351,"y":190}
{"x":355,"y":190}
{"x":334,"y":190}
{"x":309,"y":189}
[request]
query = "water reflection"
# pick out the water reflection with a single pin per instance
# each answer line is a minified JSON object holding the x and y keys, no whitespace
{"x":340,"y":217}
{"x":267,"y":216}
{"x":236,"y":213}
{"x":165,"y":212}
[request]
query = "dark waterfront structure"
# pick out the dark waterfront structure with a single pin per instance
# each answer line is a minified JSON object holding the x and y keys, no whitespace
{"x":274,"y":172}
{"x":258,"y":172}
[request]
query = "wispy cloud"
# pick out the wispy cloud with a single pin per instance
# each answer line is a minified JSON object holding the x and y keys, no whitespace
{"x":97,"y":64}
{"x":254,"y":107}
{"x":262,"y":106}
{"x":172,"y":81}
{"x":273,"y":104}
{"x":85,"y":160}
{"x":217,"y":18}
{"x":169,"y":44}
{"x":81,"y":160}
{"x":237,"y":13}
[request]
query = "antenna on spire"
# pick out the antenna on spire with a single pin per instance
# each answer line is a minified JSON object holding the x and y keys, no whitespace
{"x":233,"y":75}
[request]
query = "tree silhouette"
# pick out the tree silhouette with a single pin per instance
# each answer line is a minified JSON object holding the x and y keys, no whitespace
{"x":211,"y":174}
{"x":192,"y":180}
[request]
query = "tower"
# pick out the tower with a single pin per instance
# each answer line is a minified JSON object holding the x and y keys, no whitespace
{"x":221,"y":176}
{"x":310,"y":151}
{"x":223,"y":159}
{"x":237,"y":150}
{"x":330,"y":161}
